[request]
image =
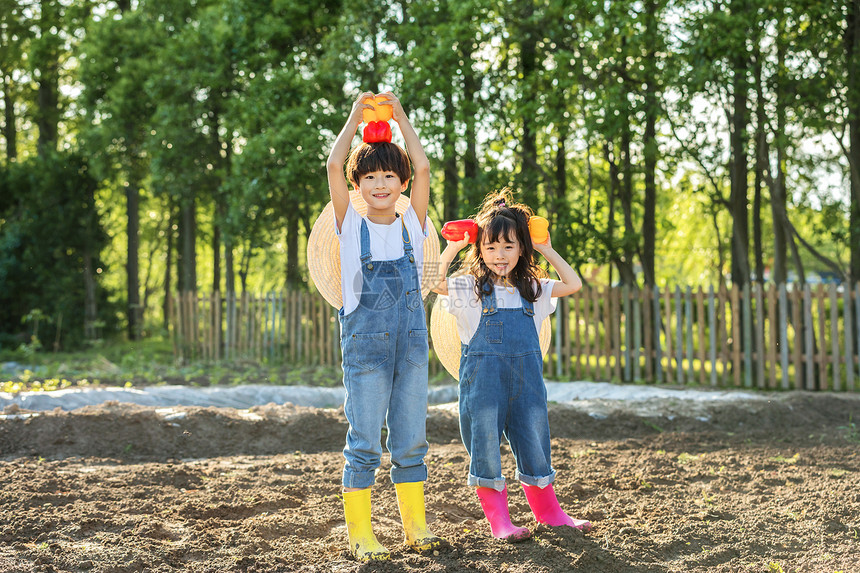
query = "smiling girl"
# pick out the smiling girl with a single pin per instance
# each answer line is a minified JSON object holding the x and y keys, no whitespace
{"x":499,"y":306}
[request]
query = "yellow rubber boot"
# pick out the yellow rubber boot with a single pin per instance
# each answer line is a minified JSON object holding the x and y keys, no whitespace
{"x":362,"y":542}
{"x":410,"y":498}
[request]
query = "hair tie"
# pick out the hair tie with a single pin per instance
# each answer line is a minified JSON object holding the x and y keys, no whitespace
{"x":500,"y":203}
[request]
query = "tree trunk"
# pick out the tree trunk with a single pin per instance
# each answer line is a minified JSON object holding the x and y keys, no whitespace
{"x":471,"y":191}
{"x":625,"y":268}
{"x":90,"y":301}
{"x":47,"y":116}
{"x":558,"y":203}
{"x":167,"y":306}
{"x":216,"y":256}
{"x":187,"y":246}
{"x":48,"y":78}
{"x":528,"y":66}
{"x":10,"y":131}
{"x":738,"y":200}
{"x":450,"y":182}
{"x":294,"y":277}
{"x":760,"y":166}
{"x":781,"y":234}
{"x":626,"y":195}
{"x":852,"y":59}
{"x":132,"y":269}
{"x":649,"y":215}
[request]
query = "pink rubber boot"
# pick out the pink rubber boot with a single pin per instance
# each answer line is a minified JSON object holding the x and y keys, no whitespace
{"x":495,"y":506}
{"x":545,"y":506}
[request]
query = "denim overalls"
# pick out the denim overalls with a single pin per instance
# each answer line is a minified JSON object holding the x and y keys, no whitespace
{"x":502,"y":392}
{"x":385,"y":350}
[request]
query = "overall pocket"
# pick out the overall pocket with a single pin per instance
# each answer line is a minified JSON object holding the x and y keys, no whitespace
{"x":417,"y":349}
{"x":413,"y":298}
{"x":366,"y":351}
{"x":493,"y":332}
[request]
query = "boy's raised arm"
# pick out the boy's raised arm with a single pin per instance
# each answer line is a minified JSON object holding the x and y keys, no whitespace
{"x":337,"y":185}
{"x":420,"y":196}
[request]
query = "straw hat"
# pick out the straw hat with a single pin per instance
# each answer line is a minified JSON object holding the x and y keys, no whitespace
{"x":324,"y":251}
{"x":446,"y":339}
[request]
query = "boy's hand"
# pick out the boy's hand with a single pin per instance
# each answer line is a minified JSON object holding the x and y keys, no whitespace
{"x":390,"y":99}
{"x":355,"y":116}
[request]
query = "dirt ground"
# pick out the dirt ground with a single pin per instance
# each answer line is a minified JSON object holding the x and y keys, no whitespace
{"x":770,"y":486}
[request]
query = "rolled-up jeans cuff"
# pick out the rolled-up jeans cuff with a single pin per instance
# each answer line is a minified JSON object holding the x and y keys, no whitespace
{"x":497,"y":484}
{"x":358,"y":480}
{"x":540,"y":482}
{"x":408,"y":474}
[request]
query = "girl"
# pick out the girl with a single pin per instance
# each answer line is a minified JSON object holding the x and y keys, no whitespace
{"x":499,"y":307}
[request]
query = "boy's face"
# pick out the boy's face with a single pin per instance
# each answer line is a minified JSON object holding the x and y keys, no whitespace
{"x":381,"y":190}
{"x":501,"y":256}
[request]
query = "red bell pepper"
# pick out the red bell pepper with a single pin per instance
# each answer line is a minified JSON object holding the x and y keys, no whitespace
{"x":376,"y":131}
{"x":456,"y":230}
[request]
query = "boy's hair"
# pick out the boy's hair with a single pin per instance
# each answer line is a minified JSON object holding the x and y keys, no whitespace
{"x":500,"y":218}
{"x":379,"y":156}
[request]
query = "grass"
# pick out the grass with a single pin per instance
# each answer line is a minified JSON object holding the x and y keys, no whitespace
{"x":148,"y":362}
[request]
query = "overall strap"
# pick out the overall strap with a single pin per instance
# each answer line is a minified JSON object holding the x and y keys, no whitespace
{"x":365,"y":245}
{"x":407,"y":241}
{"x":488,"y":301}
{"x":528,"y":307}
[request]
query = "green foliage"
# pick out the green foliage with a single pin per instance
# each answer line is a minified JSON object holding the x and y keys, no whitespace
{"x":232,"y":106}
{"x":48,"y":231}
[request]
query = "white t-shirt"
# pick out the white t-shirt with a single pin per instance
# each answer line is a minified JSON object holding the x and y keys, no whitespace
{"x":386,"y":244}
{"x":463,"y":302}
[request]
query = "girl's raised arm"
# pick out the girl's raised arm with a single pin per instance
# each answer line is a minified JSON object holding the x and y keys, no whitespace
{"x":569,"y":281}
{"x":445,"y":260}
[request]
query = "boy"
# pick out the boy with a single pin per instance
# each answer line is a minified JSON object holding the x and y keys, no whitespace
{"x":383,"y":327}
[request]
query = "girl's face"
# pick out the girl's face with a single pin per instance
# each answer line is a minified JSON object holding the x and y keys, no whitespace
{"x":502,"y":256}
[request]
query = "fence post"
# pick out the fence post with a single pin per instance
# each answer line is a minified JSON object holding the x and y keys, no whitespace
{"x":625,"y":292}
{"x":746,"y":308}
{"x":637,"y":333}
{"x":834,"y":340}
{"x":759,"y":335}
{"x":688,"y":320}
{"x":658,"y":351}
{"x":849,"y":333}
{"x":679,"y":337}
{"x":783,"y":335}
{"x":808,"y":338}
{"x":700,"y":313}
{"x":558,"y":342}
{"x":822,"y":337}
{"x":734,"y":296}
{"x":712,"y":334}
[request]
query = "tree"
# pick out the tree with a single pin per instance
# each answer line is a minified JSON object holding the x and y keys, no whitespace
{"x":117,"y":60}
{"x":49,"y":250}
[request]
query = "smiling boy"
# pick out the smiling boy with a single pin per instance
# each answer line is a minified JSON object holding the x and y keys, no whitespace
{"x":383,"y":326}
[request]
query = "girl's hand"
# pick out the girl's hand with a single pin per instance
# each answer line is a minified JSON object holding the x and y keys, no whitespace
{"x":542,"y":248}
{"x":358,"y":107}
{"x":459,"y":245}
{"x":390,"y":99}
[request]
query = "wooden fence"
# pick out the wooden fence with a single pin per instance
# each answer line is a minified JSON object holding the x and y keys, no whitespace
{"x":752,"y":337}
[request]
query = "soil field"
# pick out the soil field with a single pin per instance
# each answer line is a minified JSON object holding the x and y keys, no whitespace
{"x":763,"y":486}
